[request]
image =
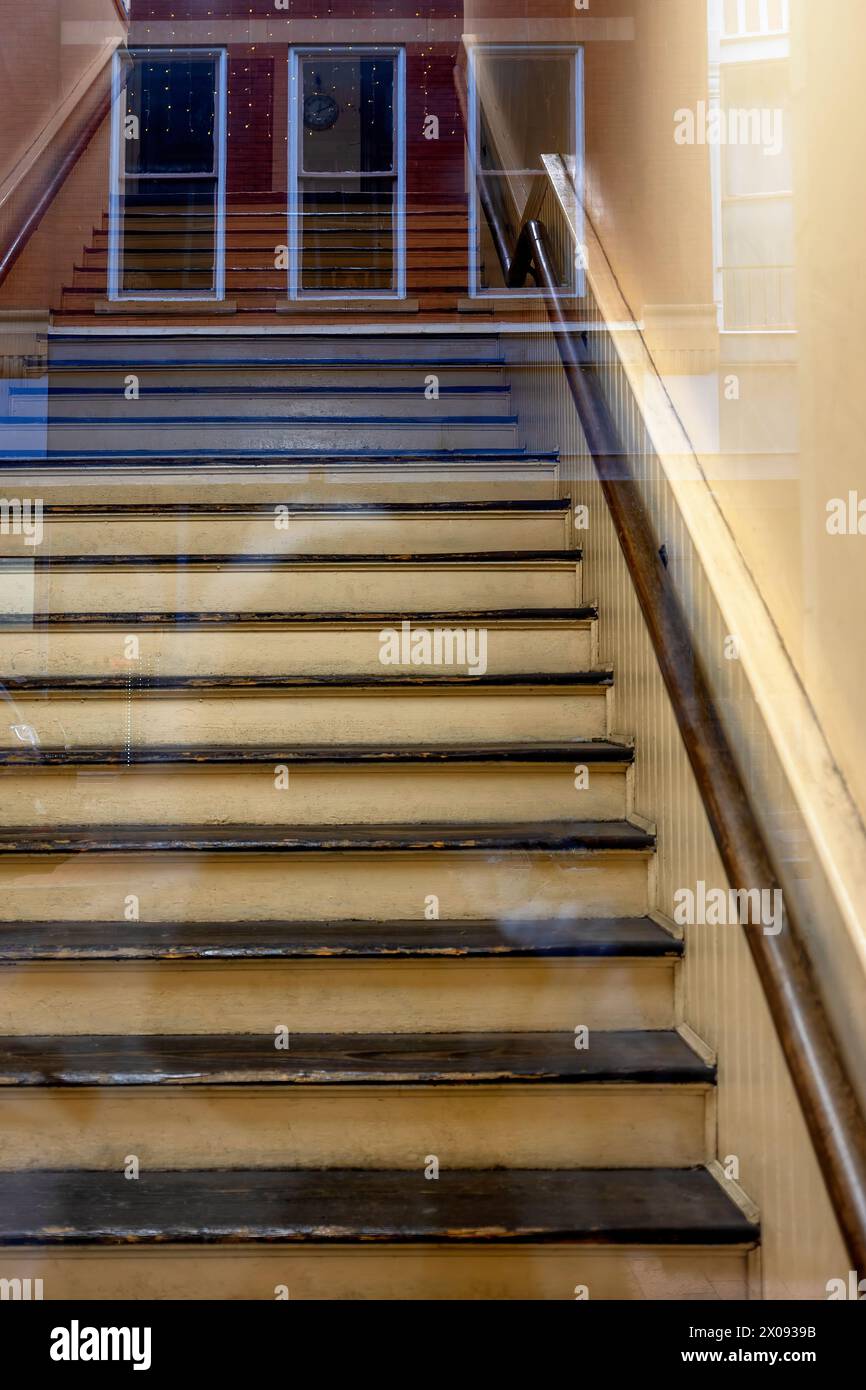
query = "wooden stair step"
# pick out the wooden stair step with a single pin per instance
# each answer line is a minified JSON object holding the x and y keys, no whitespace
{"x":448,"y":618}
{"x":589,"y":938}
{"x":554,"y":506}
{"x":251,"y":393}
{"x":599,"y":677}
{"x":92,"y":707}
{"x":431,"y":293}
{"x":649,"y":1206}
{"x":540,"y":837}
{"x":339,"y":1059}
{"x":597,"y":751}
{"x":514,"y":558}
{"x":310,"y":458}
{"x":143,"y":364}
{"x":142,"y":420}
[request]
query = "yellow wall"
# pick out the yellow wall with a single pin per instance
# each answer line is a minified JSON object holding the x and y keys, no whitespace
{"x":830,"y":217}
{"x":795,"y":437}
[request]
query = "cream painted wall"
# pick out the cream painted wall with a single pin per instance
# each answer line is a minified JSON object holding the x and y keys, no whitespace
{"x":795,"y":437}
{"x":829,"y":41}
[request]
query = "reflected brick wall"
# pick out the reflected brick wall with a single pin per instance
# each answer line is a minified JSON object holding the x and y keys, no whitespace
{"x":258,"y":77}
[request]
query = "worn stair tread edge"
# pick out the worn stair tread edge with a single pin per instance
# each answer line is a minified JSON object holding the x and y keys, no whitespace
{"x":544,"y":837}
{"x":142,"y":684}
{"x":351,"y":617}
{"x":621,"y":1057}
{"x":589,"y":938}
{"x":330,"y":457}
{"x":599,"y":751}
{"x":82,"y":510}
{"x":293,"y":560}
{"x":107,"y":364}
{"x":489,"y":1207}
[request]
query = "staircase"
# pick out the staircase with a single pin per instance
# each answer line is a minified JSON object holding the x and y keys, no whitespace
{"x":326,"y":976}
{"x":343,"y":250}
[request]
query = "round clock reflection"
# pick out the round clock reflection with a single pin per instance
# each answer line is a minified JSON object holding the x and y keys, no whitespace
{"x":320,"y":111}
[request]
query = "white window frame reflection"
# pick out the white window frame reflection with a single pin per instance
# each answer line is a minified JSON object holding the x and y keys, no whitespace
{"x":398,"y":171}
{"x":574,"y":164}
{"x":118,"y":176}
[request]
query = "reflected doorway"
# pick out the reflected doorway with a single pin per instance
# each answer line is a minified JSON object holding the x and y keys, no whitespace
{"x":526,"y":102}
{"x":347,"y":173}
{"x":166,"y":235}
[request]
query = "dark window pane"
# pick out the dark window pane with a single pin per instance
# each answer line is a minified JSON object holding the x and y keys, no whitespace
{"x":174,"y":101}
{"x":348,"y":115}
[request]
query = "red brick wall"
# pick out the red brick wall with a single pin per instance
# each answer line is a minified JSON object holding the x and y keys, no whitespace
{"x":250,"y":152}
{"x":298,"y":9}
{"x":257,"y":91}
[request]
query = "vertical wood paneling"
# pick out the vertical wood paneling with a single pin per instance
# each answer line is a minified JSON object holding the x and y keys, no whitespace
{"x":758,"y":1116}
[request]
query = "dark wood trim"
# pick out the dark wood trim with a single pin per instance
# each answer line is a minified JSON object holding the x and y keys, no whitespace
{"x":215,"y":511}
{"x":136,"y":684}
{"x":14,"y":622}
{"x":592,"y":1207}
{"x":215,"y":461}
{"x":591,"y":938}
{"x":597,"y":751}
{"x":553,"y":837}
{"x":237,"y":561}
{"x":658,"y":1057}
{"x":813,"y":1053}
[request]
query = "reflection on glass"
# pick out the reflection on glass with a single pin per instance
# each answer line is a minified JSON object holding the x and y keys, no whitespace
{"x":525,"y":105}
{"x":348,"y":184}
{"x":166,"y":201}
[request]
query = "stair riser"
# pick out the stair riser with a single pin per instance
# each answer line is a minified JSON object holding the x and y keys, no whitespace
{"x":334,"y":996}
{"x":125,"y":347}
{"x":282,"y":409}
{"x":370,"y":216}
{"x":335,"y":795}
{"x":298,"y":534}
{"x":421,"y":243}
{"x":353,"y":270}
{"x":323,"y":887}
{"x":403,"y":589}
{"x":197,"y":720}
{"x":399,"y":435}
{"x":365,"y":373}
{"x":257,"y":254}
{"x":372,"y":224}
{"x":135,"y":480}
{"x":295,"y":651}
{"x":88,"y":302}
{"x":517,"y":1272}
{"x":514,"y":1126}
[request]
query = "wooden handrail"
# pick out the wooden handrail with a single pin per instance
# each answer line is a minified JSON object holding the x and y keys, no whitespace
{"x":814,"y":1057}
